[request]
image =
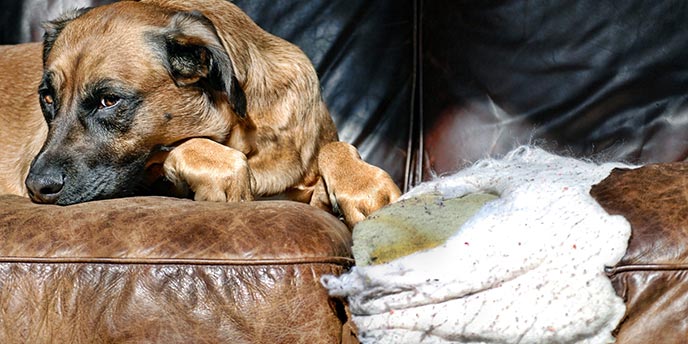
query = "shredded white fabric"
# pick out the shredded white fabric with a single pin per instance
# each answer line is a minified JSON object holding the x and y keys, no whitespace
{"x":527,"y":268}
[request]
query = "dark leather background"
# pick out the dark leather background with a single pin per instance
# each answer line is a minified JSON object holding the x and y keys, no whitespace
{"x":597,"y":78}
{"x":424,"y":87}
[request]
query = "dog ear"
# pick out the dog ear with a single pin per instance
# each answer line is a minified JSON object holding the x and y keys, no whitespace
{"x":54,"y":27}
{"x":195,"y":56}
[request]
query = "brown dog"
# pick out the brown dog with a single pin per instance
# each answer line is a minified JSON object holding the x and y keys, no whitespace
{"x":193,"y":90}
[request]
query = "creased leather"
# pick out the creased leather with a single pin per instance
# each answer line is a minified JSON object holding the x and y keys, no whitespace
{"x":167,"y":228}
{"x":161,"y":270}
{"x":653,"y":275}
{"x":583,"y":77}
{"x":119,"y":303}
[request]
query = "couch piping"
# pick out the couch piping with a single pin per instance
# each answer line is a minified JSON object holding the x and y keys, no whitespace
{"x":644,"y":267}
{"x":347,"y":262}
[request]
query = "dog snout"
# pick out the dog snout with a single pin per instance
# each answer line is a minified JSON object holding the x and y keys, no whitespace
{"x":45,"y":184}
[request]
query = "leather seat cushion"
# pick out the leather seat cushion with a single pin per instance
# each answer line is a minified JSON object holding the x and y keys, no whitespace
{"x":156,"y":269}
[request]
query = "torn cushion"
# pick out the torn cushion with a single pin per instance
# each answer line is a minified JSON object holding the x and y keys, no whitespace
{"x":528,"y":267}
{"x":412,"y":225}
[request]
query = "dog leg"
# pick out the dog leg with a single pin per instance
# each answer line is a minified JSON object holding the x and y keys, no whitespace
{"x":319,"y":197}
{"x":354,"y":187}
{"x":214,"y":172}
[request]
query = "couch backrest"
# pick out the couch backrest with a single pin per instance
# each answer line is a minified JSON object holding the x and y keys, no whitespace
{"x":590,"y":78}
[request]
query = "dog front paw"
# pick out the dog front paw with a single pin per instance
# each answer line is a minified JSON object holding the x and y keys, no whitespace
{"x":214,"y":172}
{"x":355,"y":188}
{"x":228,"y":189}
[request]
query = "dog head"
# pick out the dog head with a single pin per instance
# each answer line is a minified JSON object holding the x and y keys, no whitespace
{"x":122,"y":82}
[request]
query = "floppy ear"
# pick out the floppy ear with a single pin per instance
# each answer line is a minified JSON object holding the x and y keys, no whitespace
{"x":195,"y":56}
{"x":54,"y":27}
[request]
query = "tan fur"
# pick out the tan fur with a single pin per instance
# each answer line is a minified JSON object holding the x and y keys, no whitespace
{"x":284,"y":146}
{"x":346,"y":174}
{"x":22,"y":127}
{"x":215,"y":172}
{"x":284,"y":101}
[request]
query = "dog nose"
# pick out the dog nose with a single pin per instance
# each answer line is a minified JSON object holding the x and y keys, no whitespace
{"x":45,"y":186}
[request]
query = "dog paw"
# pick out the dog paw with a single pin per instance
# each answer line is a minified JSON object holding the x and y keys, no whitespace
{"x":355,"y":188}
{"x":214,"y":172}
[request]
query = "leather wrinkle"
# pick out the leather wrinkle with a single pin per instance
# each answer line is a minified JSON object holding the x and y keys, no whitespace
{"x":204,"y":302}
{"x":582,"y":78}
{"x":157,"y":228}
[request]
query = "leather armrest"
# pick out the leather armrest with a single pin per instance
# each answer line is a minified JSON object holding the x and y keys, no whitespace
{"x":157,"y":269}
{"x":652,"y":277}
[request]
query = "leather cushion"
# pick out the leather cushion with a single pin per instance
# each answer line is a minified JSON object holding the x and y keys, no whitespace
{"x":653,"y":275}
{"x":157,"y":269}
{"x":145,"y":228}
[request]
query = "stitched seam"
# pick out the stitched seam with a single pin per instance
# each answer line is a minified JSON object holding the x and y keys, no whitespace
{"x":178,"y":261}
{"x":645,"y":267}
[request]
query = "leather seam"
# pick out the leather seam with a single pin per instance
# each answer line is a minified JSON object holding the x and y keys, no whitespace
{"x":644,"y":267}
{"x":178,"y":261}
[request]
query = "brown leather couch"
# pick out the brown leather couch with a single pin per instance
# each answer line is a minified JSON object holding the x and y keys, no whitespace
{"x":422,"y":88}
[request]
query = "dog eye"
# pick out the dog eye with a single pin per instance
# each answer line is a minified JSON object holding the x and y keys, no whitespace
{"x":108,"y":101}
{"x":48,"y":99}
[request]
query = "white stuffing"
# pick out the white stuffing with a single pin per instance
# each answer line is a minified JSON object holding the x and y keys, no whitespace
{"x":527,"y":268}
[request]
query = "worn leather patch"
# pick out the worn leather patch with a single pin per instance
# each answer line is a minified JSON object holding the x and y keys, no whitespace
{"x":653,"y":275}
